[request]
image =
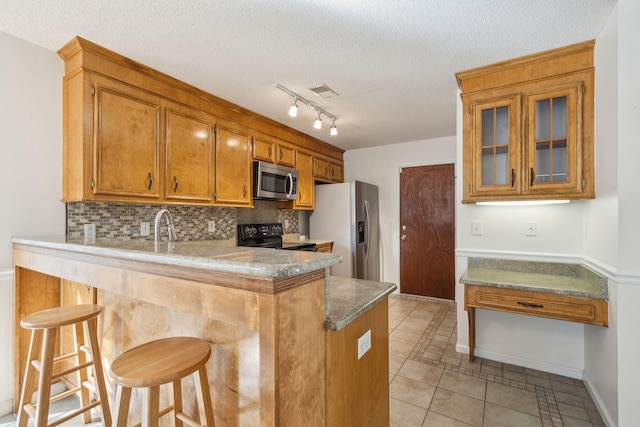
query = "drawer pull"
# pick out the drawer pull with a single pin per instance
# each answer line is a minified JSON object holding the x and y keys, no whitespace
{"x":527,"y":304}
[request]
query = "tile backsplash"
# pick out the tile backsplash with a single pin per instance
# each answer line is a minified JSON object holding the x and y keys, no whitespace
{"x":122,"y":220}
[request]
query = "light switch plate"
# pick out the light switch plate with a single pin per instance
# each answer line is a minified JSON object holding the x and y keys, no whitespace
{"x":89,"y":231}
{"x":476,"y":228}
{"x":364,"y":343}
{"x":145,"y":229}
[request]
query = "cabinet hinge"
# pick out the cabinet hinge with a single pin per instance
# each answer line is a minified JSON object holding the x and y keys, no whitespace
{"x":93,"y":91}
{"x":93,"y":184}
{"x":584,"y":89}
{"x":215,"y":128}
{"x":215,"y":194}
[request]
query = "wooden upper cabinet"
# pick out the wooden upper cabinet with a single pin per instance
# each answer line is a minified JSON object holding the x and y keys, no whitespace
{"x":190,"y":154}
{"x":528,"y":127}
{"x":336,"y":171}
{"x":233,"y":166}
{"x":285,"y":155}
{"x":304,"y":164}
{"x":263,"y":149}
{"x":321,"y":168}
{"x":127,"y":141}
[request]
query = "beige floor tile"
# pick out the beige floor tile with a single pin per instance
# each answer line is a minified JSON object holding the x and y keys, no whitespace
{"x":421,"y":372}
{"x":512,"y":375}
{"x":491,"y":370}
{"x":568,"y":398}
{"x":412,"y":326}
{"x":405,"y":336}
{"x":450,"y":360}
{"x":436,"y":420}
{"x":400,"y":348}
{"x":458,"y":406}
{"x":542,"y":382}
{"x":395,"y":363}
{"x":577,"y":412}
{"x":464,"y":384}
{"x":513,"y":398}
{"x":417,"y":393}
{"x":564,"y":387}
{"x":572,"y":422}
{"x":499,"y":416}
{"x":403,"y":414}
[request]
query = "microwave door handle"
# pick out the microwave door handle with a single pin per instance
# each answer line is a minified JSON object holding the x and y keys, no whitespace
{"x":290,"y":181}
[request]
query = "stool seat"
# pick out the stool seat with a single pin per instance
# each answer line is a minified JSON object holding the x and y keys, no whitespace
{"x":164,"y":361}
{"x":160,"y":362}
{"x":61,"y":316}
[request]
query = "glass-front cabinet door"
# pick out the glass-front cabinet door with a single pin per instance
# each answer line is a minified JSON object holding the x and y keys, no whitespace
{"x":551,"y":136}
{"x":495,"y":136}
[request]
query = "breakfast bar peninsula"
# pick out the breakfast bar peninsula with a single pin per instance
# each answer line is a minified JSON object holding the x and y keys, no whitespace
{"x":265,"y":312}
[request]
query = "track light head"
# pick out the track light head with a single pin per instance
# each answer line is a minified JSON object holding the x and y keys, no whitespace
{"x":334,"y":129}
{"x":293,"y":110}
{"x":318,"y":123}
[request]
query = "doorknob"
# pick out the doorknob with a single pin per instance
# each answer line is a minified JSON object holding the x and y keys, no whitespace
{"x":404,"y":237}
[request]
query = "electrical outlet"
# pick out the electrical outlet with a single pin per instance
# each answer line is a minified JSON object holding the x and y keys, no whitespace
{"x":145,"y":229}
{"x":211,"y":226}
{"x":286,"y":223}
{"x":531,"y":229}
{"x":89,"y":231}
{"x":476,"y":228}
{"x":364,"y":344}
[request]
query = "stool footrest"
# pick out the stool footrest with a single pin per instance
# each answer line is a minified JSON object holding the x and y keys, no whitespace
{"x":72,"y":370}
{"x":187,"y":420}
{"x":162,"y":413}
{"x":73,"y":414}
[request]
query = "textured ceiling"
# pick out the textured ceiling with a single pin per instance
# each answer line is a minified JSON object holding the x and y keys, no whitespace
{"x":391,"y":61}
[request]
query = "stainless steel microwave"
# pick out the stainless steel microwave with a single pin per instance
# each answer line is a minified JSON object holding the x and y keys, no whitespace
{"x":274,"y":182}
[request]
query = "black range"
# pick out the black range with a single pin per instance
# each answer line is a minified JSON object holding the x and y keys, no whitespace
{"x":269,"y":236}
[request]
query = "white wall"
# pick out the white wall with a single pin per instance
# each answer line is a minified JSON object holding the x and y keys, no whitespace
{"x":628,"y":275}
{"x":381,"y":166}
{"x":601,"y":215}
{"x":30,"y":168}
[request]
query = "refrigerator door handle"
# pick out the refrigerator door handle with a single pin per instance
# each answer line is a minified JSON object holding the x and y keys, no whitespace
{"x":366,"y":219}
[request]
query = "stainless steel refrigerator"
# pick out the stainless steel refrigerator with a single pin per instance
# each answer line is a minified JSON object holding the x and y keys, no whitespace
{"x":347,"y":214}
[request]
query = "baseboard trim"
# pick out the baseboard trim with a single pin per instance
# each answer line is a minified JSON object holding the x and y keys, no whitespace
{"x":597,"y":400}
{"x":6,"y":274}
{"x":524,"y":362}
{"x":6,"y":407}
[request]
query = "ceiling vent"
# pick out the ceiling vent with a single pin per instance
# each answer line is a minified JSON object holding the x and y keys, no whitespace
{"x":324,"y":91}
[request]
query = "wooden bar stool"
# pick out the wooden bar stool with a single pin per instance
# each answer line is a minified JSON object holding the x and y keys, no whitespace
{"x":160,"y":362}
{"x":39,"y":373}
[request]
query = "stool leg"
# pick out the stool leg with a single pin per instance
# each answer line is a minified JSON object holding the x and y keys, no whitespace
{"x":46,"y":371}
{"x":30,"y":378}
{"x":177,"y":402}
{"x":98,"y":371}
{"x":203,"y":394}
{"x":83,"y":376}
{"x":151,"y":406}
{"x":121,"y":406}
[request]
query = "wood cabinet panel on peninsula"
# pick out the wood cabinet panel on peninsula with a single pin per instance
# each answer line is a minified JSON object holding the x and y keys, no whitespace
{"x":110,"y":101}
{"x":528,"y":127}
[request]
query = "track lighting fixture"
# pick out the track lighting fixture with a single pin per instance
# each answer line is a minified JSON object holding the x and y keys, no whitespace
{"x":293,"y":110}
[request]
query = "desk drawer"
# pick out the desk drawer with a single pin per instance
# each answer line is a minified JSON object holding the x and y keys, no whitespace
{"x":555,"y":306}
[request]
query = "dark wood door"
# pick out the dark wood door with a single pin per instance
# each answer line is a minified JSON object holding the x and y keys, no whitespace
{"x":427,"y":231}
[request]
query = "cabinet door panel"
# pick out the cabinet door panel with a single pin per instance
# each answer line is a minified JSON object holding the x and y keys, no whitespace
{"x":495,"y":145}
{"x":304,"y":164}
{"x":286,"y":156}
{"x":552,"y":140}
{"x":233,"y":166}
{"x":263,"y":149}
{"x":321,"y":168}
{"x":337,"y":172}
{"x":189,"y":157}
{"x":126,"y":142}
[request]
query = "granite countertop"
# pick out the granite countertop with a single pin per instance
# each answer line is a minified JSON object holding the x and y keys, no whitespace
{"x":350,"y":298}
{"x":295,"y":238}
{"x":558,"y":278}
{"x":204,"y":254}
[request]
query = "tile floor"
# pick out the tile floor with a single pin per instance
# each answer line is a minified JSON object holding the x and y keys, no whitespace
{"x":432,"y":385}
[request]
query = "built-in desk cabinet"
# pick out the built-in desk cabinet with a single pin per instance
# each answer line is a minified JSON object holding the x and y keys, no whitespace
{"x":528,"y":127}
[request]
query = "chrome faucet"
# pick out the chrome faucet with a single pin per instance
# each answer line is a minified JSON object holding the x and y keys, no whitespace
{"x":170,"y":230}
